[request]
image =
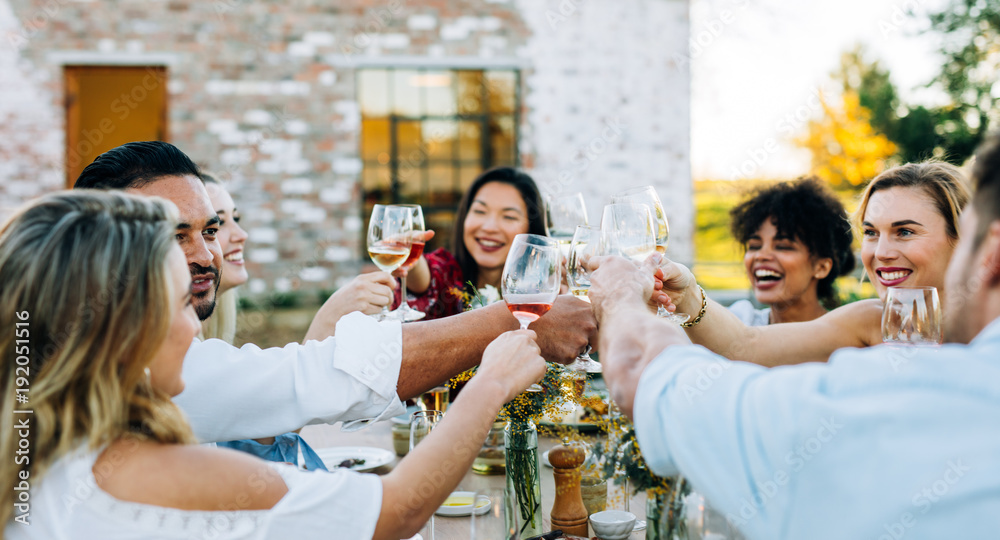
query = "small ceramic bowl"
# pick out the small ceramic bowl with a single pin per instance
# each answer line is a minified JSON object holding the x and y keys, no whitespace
{"x":612,"y":524}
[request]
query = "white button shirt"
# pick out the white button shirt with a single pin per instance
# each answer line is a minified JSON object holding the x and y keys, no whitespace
{"x":249,"y":393}
{"x":879,"y":443}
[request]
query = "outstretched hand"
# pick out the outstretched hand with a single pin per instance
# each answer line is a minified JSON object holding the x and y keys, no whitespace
{"x":514,"y":361}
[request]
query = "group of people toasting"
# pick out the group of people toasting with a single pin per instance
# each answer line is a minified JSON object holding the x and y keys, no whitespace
{"x":119,"y":276}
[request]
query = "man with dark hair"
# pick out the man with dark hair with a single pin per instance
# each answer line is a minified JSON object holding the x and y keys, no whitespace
{"x":155,"y":168}
{"x":884,"y":442}
{"x":357,"y":377}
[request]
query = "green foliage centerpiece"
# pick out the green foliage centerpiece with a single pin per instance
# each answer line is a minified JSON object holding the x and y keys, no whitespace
{"x":621,"y":460}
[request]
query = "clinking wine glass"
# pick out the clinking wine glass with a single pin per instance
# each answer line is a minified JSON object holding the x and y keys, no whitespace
{"x":421,"y":425}
{"x":530,"y":280}
{"x":585,"y":244}
{"x":912,"y":316}
{"x":389,"y":237}
{"x":404,"y":312}
{"x":563,"y":214}
{"x":627,"y":230}
{"x":647,"y":195}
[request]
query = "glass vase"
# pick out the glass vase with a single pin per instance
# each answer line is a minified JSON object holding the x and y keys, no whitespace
{"x":665,"y":511}
{"x":492,"y":456}
{"x":523,"y":481}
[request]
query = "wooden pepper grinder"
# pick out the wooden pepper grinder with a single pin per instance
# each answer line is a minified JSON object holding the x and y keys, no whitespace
{"x":568,"y":511}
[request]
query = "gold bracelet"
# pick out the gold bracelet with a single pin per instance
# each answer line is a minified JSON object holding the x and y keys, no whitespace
{"x":701,"y":314}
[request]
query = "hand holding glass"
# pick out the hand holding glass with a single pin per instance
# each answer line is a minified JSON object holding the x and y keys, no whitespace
{"x":912,"y":316}
{"x":389,"y":238}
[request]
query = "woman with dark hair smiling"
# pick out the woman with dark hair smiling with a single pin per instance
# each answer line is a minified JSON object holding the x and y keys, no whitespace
{"x":500,"y":204}
{"x":796,"y":240}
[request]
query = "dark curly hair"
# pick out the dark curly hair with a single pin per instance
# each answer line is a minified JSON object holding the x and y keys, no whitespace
{"x":804,"y":209}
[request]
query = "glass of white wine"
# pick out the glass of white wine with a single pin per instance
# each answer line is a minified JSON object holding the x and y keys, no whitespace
{"x":585,"y":244}
{"x":389,"y":238}
{"x":647,"y":195}
{"x":912,"y":316}
{"x":563,"y":214}
{"x":628,"y":230}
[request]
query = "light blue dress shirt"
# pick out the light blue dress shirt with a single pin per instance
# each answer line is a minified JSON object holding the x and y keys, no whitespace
{"x":879,"y":443}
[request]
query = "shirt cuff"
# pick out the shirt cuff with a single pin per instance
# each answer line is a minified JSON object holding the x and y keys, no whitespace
{"x":370,"y":351}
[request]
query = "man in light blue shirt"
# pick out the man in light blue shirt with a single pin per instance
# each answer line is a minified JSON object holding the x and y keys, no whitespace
{"x":879,"y":443}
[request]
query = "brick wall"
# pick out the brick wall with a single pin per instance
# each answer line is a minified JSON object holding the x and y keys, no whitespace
{"x":263,"y":92}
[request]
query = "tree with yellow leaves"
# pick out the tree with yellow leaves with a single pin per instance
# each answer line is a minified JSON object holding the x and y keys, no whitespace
{"x":847,"y":151}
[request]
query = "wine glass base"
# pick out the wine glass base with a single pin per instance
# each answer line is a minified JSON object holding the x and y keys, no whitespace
{"x":676,"y":318}
{"x":534,"y":388}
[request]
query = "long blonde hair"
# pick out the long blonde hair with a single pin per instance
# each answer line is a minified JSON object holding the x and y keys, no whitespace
{"x":222,"y":323}
{"x":87,"y":271}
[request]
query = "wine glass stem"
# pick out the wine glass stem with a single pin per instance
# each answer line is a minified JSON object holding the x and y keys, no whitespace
{"x":403,"y":304}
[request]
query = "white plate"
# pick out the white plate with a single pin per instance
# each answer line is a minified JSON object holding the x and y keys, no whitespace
{"x":374,"y":457}
{"x":459,"y":503}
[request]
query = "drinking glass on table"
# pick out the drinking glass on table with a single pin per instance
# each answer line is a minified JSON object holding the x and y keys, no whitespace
{"x":647,"y":195}
{"x":912,"y":316}
{"x":421,"y":424}
{"x":563,"y":214}
{"x":530,"y":280}
{"x":389,"y":238}
{"x":585,"y":244}
{"x":404,"y":312}
{"x":497,"y":521}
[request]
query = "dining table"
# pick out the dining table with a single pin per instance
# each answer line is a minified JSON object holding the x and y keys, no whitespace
{"x":379,"y":435}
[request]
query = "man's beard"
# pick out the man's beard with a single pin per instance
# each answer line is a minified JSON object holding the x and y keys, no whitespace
{"x":204,"y":303}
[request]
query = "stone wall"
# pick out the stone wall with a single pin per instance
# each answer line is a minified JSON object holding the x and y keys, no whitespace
{"x":263,"y":92}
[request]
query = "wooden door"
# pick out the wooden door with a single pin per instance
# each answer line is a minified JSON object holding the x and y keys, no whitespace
{"x":107,"y":106}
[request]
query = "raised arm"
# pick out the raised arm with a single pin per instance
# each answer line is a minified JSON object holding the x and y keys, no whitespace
{"x":434,"y":351}
{"x":853,"y":325}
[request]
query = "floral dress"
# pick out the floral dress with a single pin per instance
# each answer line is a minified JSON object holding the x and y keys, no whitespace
{"x":444,"y":296}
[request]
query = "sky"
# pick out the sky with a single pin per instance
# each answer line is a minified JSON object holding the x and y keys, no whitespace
{"x":757,"y":65}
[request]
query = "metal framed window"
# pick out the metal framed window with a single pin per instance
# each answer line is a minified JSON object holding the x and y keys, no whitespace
{"x":427,"y":133}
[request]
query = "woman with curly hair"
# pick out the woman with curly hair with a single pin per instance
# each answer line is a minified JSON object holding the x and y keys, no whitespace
{"x":796,"y":240}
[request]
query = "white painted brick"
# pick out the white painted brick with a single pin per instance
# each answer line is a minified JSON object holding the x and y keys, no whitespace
{"x":269,"y":167}
{"x":257,"y":286}
{"x":394,"y":41}
{"x":263,"y":255}
{"x":293,"y":206}
{"x":257,"y":117}
{"x":301,"y":49}
{"x":421,"y":22}
{"x":222,"y":126}
{"x":314,"y":274}
{"x":296,"y":186}
{"x":293,"y":88}
{"x":310,"y":214}
{"x":320,"y":39}
{"x":340,"y":194}
{"x":282,"y":284}
{"x":454,"y":32}
{"x":352,"y":224}
{"x":106,"y":45}
{"x":328,"y":78}
{"x":296,"y":127}
{"x":263,"y":235}
{"x":347,"y":166}
{"x":134,"y":46}
{"x":298,"y":166}
{"x":235,"y":157}
{"x":490,"y":24}
{"x":175,"y":87}
{"x":338,"y":254}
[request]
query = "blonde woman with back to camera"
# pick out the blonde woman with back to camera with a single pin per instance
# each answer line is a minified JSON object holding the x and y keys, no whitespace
{"x":108,"y":295}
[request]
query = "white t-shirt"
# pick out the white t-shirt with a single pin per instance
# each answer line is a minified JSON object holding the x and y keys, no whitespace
{"x":68,"y":504}
{"x":750,"y":315}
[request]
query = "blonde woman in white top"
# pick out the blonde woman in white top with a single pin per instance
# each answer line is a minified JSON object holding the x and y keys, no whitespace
{"x":106,"y":291}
